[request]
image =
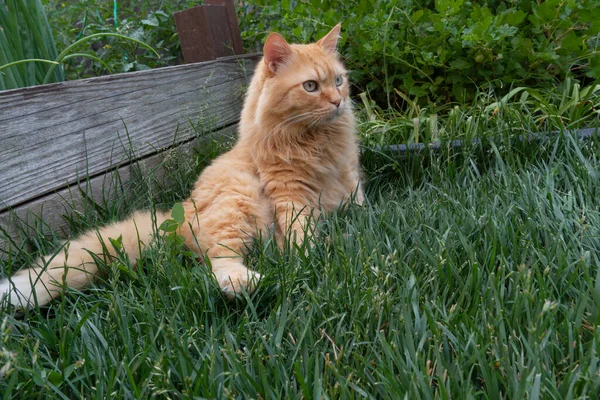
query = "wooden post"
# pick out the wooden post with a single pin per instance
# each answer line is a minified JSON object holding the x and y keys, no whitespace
{"x":209,"y":31}
{"x":234,"y":28}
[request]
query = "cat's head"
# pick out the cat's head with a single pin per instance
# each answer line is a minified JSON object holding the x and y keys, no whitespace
{"x":305,"y":85}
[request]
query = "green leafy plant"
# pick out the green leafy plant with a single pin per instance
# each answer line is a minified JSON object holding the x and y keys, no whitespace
{"x":27,"y":52}
{"x":175,"y":242}
{"x":176,"y":221}
{"x":149,"y":21}
{"x":65,"y":54}
{"x":443,"y":51}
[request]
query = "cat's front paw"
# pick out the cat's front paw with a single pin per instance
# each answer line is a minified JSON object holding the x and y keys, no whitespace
{"x":233,"y":278}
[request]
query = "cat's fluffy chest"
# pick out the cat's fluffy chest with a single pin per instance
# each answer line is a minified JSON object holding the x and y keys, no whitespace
{"x":324,"y":174}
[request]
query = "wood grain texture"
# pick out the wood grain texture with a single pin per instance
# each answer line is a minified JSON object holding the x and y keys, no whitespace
{"x":52,"y":135}
{"x":52,"y":207}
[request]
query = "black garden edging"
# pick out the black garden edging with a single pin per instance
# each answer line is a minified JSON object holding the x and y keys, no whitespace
{"x":404,"y":150}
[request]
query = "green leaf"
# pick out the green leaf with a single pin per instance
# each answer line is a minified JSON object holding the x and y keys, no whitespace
{"x":150,"y":21}
{"x":169,"y":226}
{"x":571,"y":42}
{"x":448,"y":7}
{"x":117,"y":243}
{"x":178,"y":213}
{"x":14,"y":63}
{"x":55,"y":378}
{"x":536,"y":389}
{"x":515,"y":18}
{"x":460,"y":63}
{"x":417,"y":15}
{"x":39,"y":376}
{"x":547,"y":10}
{"x":594,"y":71}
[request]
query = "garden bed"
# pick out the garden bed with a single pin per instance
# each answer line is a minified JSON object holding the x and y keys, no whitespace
{"x":61,"y":137}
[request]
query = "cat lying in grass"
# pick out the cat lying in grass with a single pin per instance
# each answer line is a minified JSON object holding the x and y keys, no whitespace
{"x":295,"y":157}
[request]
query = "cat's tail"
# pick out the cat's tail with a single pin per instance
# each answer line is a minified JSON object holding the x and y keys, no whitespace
{"x":74,"y":265}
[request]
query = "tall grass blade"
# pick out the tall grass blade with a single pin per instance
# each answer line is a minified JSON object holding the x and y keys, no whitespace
{"x":26,"y":35}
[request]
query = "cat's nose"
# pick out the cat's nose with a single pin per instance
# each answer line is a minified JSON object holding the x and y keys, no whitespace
{"x":336,"y":102}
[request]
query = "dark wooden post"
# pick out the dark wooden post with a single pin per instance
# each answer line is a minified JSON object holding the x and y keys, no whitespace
{"x":234,"y":28}
{"x":209,"y":31}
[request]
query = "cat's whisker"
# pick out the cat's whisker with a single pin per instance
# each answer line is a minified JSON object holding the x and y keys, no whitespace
{"x":317,"y":116}
{"x":288,"y":122}
{"x":314,"y":123}
{"x":279,"y":130}
{"x":294,"y":119}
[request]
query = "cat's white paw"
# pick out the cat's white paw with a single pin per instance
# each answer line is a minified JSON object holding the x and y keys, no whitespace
{"x":17,"y":290}
{"x":232,"y":278}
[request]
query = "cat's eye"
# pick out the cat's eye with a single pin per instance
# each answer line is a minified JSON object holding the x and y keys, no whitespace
{"x":339,"y":80}
{"x":310,"y":86}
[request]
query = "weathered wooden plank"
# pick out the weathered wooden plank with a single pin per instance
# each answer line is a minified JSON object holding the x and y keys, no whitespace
{"x":52,"y":207}
{"x":51,"y":135}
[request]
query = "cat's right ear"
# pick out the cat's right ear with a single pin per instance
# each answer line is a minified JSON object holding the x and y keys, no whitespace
{"x":277,"y":51}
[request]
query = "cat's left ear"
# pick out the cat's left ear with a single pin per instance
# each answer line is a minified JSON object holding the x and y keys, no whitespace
{"x":329,"y":41}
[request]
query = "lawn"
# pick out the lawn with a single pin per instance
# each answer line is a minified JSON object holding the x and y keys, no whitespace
{"x":472,"y":274}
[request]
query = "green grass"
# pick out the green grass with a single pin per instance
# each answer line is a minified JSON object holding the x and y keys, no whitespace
{"x":469,"y":275}
{"x":521,"y":111}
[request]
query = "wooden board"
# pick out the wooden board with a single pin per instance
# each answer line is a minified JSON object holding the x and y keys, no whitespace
{"x":51,"y":208}
{"x":52,"y":135}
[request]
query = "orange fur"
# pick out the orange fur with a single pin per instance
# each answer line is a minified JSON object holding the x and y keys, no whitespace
{"x":296,"y":156}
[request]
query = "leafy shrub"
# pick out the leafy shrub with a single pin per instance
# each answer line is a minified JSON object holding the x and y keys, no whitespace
{"x":431,"y":51}
{"x":28,"y":54}
{"x":149,"y":21}
{"x":440,"y":51}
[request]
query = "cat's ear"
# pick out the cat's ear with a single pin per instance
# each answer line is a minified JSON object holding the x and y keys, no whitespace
{"x":329,"y":41}
{"x":277,"y":51}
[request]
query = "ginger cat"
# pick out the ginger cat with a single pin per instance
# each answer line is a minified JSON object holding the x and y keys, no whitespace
{"x":296,"y":156}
